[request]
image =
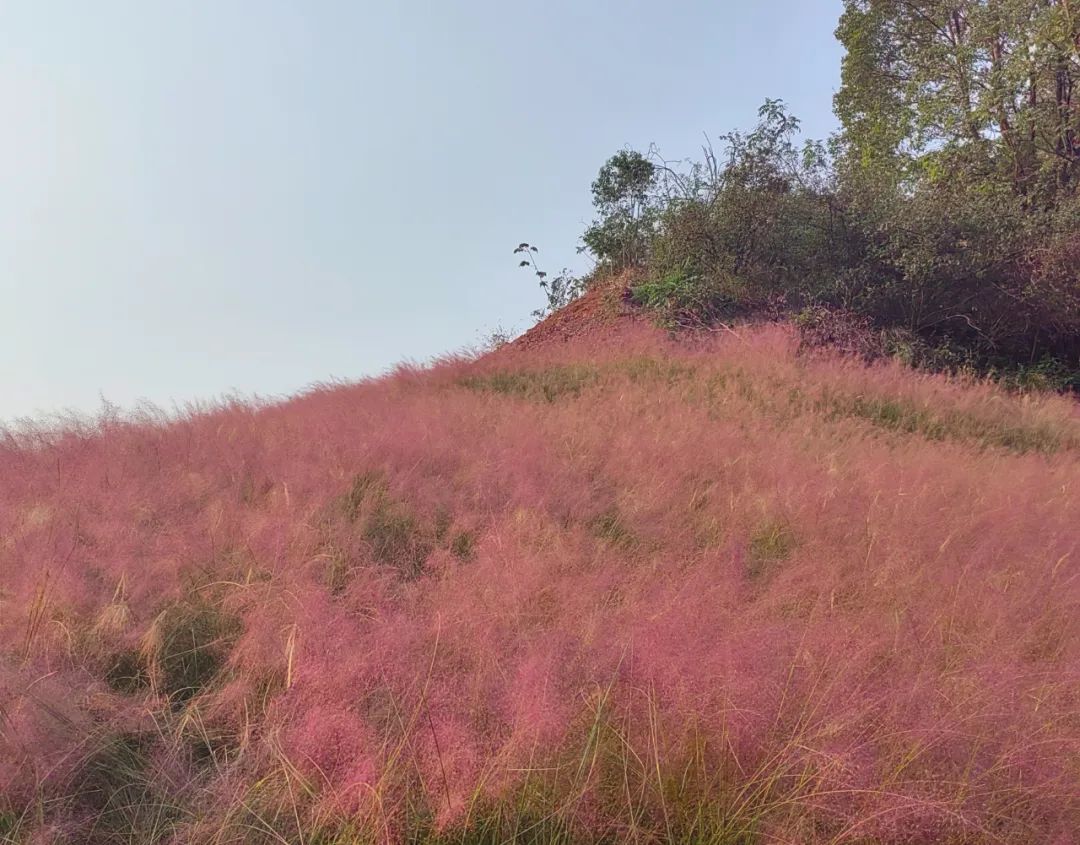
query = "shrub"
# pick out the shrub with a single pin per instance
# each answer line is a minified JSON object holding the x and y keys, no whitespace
{"x":953,"y":268}
{"x":683,"y":300}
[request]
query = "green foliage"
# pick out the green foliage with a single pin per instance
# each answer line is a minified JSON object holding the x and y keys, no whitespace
{"x":625,"y":179}
{"x":681,"y":299}
{"x":624,"y":195}
{"x":936,"y":256}
{"x":1046,"y":374}
{"x":750,"y":231}
{"x":673,"y":292}
{"x":945,"y":214}
{"x":875,"y":116}
{"x":994,"y":78}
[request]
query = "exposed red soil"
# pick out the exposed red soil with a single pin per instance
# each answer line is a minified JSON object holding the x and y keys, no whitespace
{"x":603,"y":310}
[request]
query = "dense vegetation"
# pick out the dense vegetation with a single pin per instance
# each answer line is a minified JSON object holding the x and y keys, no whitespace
{"x":611,"y":583}
{"x":942,"y":223}
{"x":625,"y":588}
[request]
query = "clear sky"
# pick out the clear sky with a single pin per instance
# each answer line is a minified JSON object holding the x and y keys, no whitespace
{"x":203,"y":197}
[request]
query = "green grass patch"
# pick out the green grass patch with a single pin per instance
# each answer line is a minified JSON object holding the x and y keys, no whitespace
{"x":365,"y":486}
{"x":554,"y":383}
{"x":11,"y":824}
{"x":463,"y":546}
{"x":338,"y":571}
{"x":396,"y":535}
{"x":115,"y":783}
{"x":906,"y":417}
{"x":546,"y":385}
{"x":783,"y":401}
{"x":126,"y":672}
{"x":645,"y":370}
{"x":610,"y":526}
{"x":190,"y":642}
{"x":772,"y":543}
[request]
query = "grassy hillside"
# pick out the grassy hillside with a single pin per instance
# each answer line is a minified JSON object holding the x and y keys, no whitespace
{"x":636,"y":590}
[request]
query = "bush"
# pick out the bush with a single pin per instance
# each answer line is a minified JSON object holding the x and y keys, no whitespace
{"x":951,"y":269}
{"x":762,"y":226}
{"x":682,"y":299}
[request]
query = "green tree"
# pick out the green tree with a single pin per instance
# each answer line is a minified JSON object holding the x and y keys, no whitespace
{"x":624,"y":194}
{"x":998,"y":79}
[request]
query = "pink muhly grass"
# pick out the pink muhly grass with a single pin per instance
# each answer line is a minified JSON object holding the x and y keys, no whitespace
{"x":643,"y":589}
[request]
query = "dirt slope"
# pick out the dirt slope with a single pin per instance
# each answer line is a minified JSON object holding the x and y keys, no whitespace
{"x":601,"y":314}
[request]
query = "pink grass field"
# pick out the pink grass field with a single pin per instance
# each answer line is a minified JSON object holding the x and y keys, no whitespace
{"x":608,"y":590}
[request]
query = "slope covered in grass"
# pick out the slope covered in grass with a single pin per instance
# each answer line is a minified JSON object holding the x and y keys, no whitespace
{"x":592,"y":591}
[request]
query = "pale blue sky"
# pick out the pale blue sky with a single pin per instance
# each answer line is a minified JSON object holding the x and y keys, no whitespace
{"x":207,"y":196}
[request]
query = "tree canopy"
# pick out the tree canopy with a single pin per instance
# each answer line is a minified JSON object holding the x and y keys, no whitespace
{"x":994,"y":81}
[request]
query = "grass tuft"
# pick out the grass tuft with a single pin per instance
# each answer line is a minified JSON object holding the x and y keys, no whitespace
{"x":115,"y":782}
{"x":393,"y":533}
{"x":610,"y":526}
{"x":463,"y":546}
{"x":126,"y":672}
{"x":772,"y":543}
{"x":187,"y":646}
